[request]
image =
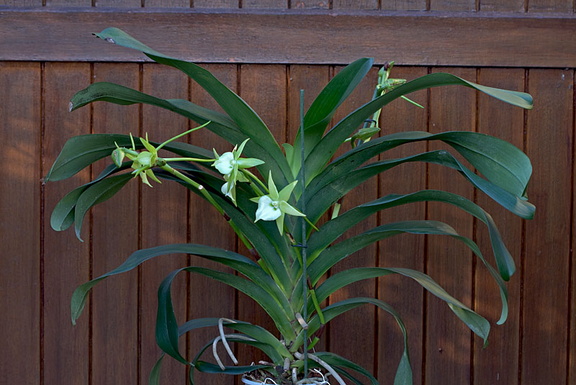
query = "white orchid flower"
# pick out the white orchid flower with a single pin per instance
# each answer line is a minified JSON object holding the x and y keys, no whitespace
{"x":231,"y":165}
{"x":274,"y":206}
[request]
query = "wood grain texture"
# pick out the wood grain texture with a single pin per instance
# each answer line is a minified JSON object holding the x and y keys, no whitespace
{"x":164,"y":221}
{"x":296,"y":36}
{"x":67,"y":260}
{"x":68,"y":3}
{"x":403,"y":5}
{"x":20,"y":282}
{"x":208,"y":298}
{"x":355,"y":4}
{"x":263,"y":87}
{"x":560,"y":6}
{"x":216,"y":3}
{"x":114,"y":237}
{"x":167,"y":3}
{"x":499,"y":361}
{"x":356,"y":344}
{"x":449,"y":262}
{"x":502,"y":6}
{"x":453,"y":5}
{"x":406,"y":251}
{"x":547,"y":247}
{"x":265,"y":4}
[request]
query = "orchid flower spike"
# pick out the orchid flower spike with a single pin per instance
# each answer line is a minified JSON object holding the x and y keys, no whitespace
{"x":231,"y":165}
{"x":142,"y":162}
{"x":274,"y":206}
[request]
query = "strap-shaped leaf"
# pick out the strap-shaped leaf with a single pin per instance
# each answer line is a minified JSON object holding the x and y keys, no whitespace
{"x":341,"y":364}
{"x":404,"y":371}
{"x":81,"y":151}
{"x":334,"y":228}
{"x":236,"y":261}
{"x":97,"y":193}
{"x":475,"y":322}
{"x":263,"y":145}
{"x":340,"y":176}
{"x":322,"y":152}
{"x":63,"y":214}
{"x":334,"y":254}
{"x":327,"y":102}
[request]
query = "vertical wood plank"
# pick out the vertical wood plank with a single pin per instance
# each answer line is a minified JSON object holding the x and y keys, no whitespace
{"x":22,"y":3}
{"x":405,"y":251}
{"x":164,"y":220}
{"x":167,"y":3}
{"x":263,"y":87}
{"x":453,"y":5}
{"x":69,"y":3}
{"x":270,"y":4}
{"x":20,"y":223}
{"x":404,"y":5}
{"x":355,"y":4}
{"x":498,"y":363}
{"x":67,"y":260}
{"x":547,"y":254}
{"x":310,"y":4}
{"x":448,"y":261}
{"x":358,"y":347}
{"x":207,"y":297}
{"x":114,"y":237}
{"x":118,"y":3}
{"x":559,"y":6}
{"x":502,"y":6}
{"x":216,"y":3}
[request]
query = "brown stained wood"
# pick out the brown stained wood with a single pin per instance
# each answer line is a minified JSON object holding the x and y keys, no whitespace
{"x":164,"y":220}
{"x":114,"y":237}
{"x":502,"y":6}
{"x":118,"y":3}
{"x":559,"y":6}
{"x":353,"y":334}
{"x":355,"y":4}
{"x":310,"y":4}
{"x":209,"y":298}
{"x":21,"y":3}
{"x":403,"y":5}
{"x":167,"y":3}
{"x":265,"y":4}
{"x":547,"y":247}
{"x":406,"y":251}
{"x":263,"y":87}
{"x":69,"y":3}
{"x":449,"y":262}
{"x":453,"y":5}
{"x":20,"y":283}
{"x":67,"y":260}
{"x":296,"y":36}
{"x":215,"y":3}
{"x":499,"y":361}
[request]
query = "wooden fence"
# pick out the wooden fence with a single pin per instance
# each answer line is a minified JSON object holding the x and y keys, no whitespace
{"x":267,"y":51}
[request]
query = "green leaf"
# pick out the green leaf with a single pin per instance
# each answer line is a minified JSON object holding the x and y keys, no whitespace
{"x":334,"y":228}
{"x":340,"y":363}
{"x":154,"y":377}
{"x":323,"y":151}
{"x":63,"y":213}
{"x":343,"y":173}
{"x":97,"y":193}
{"x":404,"y":371}
{"x":327,"y":102}
{"x":262,"y":146}
{"x":478,"y":324}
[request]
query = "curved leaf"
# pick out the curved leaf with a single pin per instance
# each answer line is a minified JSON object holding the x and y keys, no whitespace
{"x":404,"y":371}
{"x":322,"y":152}
{"x":474,"y":321}
{"x":97,"y":193}
{"x":262,"y":146}
{"x":327,"y":102}
{"x":334,"y":228}
{"x":342,"y":175}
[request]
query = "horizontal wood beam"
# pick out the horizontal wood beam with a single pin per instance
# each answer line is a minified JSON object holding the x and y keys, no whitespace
{"x":294,"y":37}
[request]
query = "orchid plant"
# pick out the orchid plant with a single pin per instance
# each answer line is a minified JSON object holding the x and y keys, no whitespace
{"x":277,"y":199}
